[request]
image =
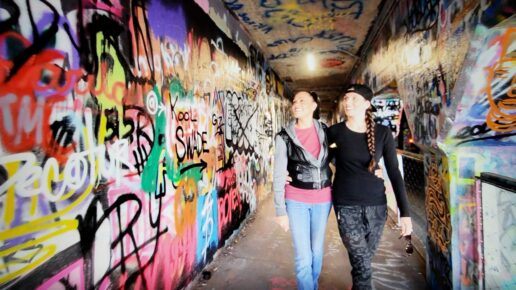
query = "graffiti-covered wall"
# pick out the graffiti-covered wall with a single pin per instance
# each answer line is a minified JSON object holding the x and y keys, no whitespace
{"x":135,"y":139}
{"x":482,"y":138}
{"x":453,"y":64}
{"x":387,"y":111}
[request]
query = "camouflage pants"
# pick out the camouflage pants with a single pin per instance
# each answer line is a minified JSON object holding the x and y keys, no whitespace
{"x":361,"y":228}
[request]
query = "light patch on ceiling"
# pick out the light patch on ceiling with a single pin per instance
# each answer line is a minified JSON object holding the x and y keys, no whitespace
{"x":310,"y":61}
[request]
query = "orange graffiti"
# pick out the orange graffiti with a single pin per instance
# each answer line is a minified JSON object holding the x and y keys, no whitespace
{"x":502,"y":114}
{"x":437,"y":208}
{"x":185,"y":205}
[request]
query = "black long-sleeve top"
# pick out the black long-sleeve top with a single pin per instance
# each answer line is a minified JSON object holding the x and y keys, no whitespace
{"x":353,"y":183}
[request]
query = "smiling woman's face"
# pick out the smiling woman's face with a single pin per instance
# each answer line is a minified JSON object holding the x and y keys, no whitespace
{"x":303,"y":105}
{"x":354,"y":104}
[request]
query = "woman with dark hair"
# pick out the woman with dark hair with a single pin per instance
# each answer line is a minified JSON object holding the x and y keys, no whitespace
{"x":303,"y":204}
{"x":359,"y":198}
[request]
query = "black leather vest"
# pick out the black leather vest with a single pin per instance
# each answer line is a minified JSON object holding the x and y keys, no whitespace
{"x":304,"y":174}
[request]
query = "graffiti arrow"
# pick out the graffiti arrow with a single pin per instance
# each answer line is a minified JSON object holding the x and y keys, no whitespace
{"x":161,"y":108}
{"x":201,"y":164}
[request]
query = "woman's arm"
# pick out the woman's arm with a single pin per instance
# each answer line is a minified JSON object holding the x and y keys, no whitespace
{"x":391,"y":164}
{"x":279,"y":175}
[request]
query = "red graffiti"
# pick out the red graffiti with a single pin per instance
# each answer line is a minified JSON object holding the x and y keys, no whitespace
{"x":331,"y":62}
{"x":28,"y":96}
{"x":230,"y":202}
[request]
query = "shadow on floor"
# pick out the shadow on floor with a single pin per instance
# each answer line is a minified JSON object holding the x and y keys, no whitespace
{"x":261,"y":257}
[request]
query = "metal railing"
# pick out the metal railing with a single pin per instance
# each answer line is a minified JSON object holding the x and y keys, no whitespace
{"x":414,"y":177}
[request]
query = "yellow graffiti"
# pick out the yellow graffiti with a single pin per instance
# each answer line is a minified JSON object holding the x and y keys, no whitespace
{"x":110,"y":84}
{"x":308,"y":20}
{"x":33,"y":205}
{"x":466,"y":205}
{"x":50,"y":250}
{"x":45,"y":223}
{"x":12,"y":168}
{"x":66,"y":224}
{"x":10,"y":198}
{"x":42,"y":223}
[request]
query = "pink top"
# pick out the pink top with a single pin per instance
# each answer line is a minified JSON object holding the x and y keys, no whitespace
{"x":310,"y":141}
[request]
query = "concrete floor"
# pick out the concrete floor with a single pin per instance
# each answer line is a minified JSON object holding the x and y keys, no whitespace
{"x":261,"y":257}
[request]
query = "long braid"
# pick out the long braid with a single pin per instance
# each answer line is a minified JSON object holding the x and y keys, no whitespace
{"x":370,"y":138}
{"x":340,"y":110}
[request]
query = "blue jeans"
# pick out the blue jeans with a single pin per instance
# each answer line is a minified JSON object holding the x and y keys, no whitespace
{"x":308,"y":226}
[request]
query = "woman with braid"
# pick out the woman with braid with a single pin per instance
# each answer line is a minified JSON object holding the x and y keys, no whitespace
{"x":358,"y":195}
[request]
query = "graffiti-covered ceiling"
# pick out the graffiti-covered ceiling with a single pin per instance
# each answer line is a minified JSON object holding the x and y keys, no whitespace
{"x":288,"y":31}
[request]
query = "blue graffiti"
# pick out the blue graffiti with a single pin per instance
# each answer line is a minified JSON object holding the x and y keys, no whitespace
{"x":265,"y":28}
{"x":339,"y":5}
{"x":207,"y":227}
{"x":273,"y":4}
{"x":299,"y":18}
{"x":343,"y":42}
{"x":233,"y":5}
{"x":294,"y":16}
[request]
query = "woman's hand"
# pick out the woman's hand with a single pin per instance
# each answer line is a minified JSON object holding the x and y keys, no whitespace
{"x":282,"y":221}
{"x":379,"y":172}
{"x":406,"y":226}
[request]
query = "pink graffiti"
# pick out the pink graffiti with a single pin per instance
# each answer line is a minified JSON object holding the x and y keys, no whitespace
{"x":279,"y":283}
{"x":115,"y":8}
{"x":174,"y":262}
{"x":231,"y":201}
{"x":468,"y":242}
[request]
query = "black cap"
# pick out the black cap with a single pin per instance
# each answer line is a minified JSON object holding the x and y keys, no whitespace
{"x":362,"y":90}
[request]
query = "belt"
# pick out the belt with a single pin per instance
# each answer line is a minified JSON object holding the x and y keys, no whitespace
{"x":310,"y":185}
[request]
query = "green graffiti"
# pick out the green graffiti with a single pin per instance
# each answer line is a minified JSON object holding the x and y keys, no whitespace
{"x":176,"y":89}
{"x":150,"y":173}
{"x":158,"y":157}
